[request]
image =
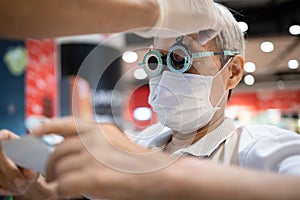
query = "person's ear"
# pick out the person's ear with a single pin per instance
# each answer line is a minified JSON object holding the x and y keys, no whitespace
{"x":236,"y":70}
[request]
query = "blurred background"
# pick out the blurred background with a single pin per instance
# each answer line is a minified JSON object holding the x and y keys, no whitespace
{"x":99,"y":74}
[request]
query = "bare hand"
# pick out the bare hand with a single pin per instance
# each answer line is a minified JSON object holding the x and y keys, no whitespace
{"x":94,"y":159}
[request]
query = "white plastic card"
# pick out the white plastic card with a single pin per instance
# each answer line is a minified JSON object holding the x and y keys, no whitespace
{"x":29,"y":152}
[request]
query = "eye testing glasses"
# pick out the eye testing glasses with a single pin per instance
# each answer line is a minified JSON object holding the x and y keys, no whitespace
{"x":179,"y":59}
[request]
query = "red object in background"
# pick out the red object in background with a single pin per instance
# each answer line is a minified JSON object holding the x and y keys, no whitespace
{"x":286,"y":100}
{"x":139,"y":99}
{"x":41,"y":78}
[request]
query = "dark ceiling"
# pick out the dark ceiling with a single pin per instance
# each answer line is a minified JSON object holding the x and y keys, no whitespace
{"x":265,"y":16}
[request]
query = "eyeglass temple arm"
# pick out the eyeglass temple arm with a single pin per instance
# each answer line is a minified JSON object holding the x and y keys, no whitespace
{"x":207,"y":54}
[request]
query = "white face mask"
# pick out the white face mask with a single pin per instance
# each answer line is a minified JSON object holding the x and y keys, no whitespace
{"x":181,"y":101}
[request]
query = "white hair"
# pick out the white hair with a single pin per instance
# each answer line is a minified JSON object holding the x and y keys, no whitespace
{"x":231,"y":37}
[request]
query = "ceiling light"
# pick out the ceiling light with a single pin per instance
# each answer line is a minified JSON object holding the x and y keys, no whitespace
{"x":267,"y":47}
{"x":130,"y":56}
{"x":249,"y":80}
{"x":243,"y":26}
{"x":249,"y":67}
{"x":139,"y":74}
{"x":142,"y":113}
{"x":294,"y":30}
{"x":293,"y":64}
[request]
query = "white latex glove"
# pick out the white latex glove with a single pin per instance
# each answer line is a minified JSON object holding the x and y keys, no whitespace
{"x":183,"y":17}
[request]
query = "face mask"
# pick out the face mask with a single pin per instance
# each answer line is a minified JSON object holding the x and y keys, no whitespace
{"x":181,"y":101}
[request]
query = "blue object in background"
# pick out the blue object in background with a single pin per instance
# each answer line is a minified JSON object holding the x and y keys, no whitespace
{"x":12,"y":87}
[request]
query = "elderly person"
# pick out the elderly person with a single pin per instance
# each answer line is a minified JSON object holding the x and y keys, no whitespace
{"x":190,"y":98}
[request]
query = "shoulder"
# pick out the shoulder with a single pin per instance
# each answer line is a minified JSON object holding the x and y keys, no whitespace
{"x":258,"y":131}
{"x":251,"y":134}
{"x":269,"y":148}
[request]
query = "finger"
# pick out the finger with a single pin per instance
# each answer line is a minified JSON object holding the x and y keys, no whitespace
{"x":29,"y":175}
{"x":68,"y":164}
{"x":7,"y":135}
{"x":61,"y":126}
{"x":68,"y":147}
{"x":66,"y":127}
{"x":10,"y":176}
{"x":4,"y":192}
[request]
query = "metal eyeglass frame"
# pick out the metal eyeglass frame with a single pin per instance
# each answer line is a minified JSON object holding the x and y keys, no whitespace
{"x":186,"y":61}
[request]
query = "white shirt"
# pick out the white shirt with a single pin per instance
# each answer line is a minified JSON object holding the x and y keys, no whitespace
{"x":262,"y":147}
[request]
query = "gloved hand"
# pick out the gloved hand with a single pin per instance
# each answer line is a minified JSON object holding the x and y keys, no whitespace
{"x":183,"y":17}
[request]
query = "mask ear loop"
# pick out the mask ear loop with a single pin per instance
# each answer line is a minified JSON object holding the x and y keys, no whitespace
{"x":187,"y":61}
{"x":219,"y":72}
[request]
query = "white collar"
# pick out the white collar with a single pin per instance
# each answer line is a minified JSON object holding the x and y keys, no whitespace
{"x":154,"y":136}
{"x":202,"y":148}
{"x":211,"y":141}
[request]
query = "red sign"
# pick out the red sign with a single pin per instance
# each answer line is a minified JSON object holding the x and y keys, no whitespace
{"x":139,"y":99}
{"x":41,"y":79}
{"x":286,"y":100}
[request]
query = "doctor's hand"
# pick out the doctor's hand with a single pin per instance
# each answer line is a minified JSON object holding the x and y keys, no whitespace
{"x":13,"y":179}
{"x":178,"y":17}
{"x":98,"y":160}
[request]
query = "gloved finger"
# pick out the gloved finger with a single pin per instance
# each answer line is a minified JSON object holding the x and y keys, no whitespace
{"x":205,"y":36}
{"x":179,"y":17}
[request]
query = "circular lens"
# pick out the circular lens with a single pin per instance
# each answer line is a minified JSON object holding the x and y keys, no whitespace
{"x":178,"y":59}
{"x":152,"y":63}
